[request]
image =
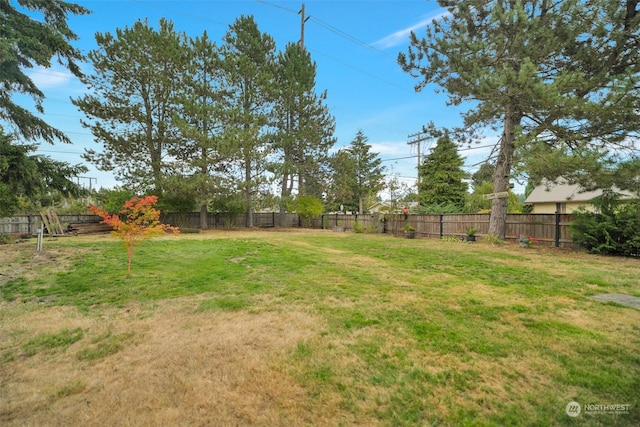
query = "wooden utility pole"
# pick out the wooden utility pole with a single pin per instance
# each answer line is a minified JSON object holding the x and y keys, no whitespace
{"x":419,"y":137}
{"x":303,"y":19}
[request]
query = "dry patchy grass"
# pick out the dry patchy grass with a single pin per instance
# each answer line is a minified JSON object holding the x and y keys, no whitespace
{"x":177,"y":367}
{"x":433,"y":347}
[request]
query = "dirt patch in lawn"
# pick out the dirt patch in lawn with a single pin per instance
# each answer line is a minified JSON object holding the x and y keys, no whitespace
{"x":167,"y":365}
{"x":22,"y":260}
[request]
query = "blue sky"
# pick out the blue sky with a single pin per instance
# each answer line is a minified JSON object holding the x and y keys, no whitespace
{"x":354,"y":43}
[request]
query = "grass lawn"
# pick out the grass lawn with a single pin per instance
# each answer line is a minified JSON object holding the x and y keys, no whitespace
{"x":299,"y":327}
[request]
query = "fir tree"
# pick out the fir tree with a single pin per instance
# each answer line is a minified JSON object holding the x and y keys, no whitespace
{"x":358,"y":173}
{"x":25,"y":42}
{"x":136,"y":76}
{"x":441,"y":176}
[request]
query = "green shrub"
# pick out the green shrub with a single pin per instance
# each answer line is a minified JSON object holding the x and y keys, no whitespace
{"x":613,"y":231}
{"x":5,"y":238}
{"x":308,"y":207}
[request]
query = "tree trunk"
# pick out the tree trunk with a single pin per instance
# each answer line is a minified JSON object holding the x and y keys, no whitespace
{"x":203,"y":217}
{"x":248,"y":195}
{"x":501,"y":175}
{"x":282,"y":217}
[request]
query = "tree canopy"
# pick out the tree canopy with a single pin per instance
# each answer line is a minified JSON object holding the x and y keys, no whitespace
{"x":132,"y":101}
{"x":201,"y":122}
{"x":25,"y":42}
{"x":441,"y":176}
{"x":357,"y":174}
{"x":304,"y":126}
{"x":38,"y":179}
{"x":559,"y":74}
{"x":248,"y":56}
{"x":189,"y":118}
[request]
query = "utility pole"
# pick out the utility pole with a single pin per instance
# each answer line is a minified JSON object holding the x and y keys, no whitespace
{"x":90,"y":180}
{"x":419,"y":137}
{"x":303,"y":19}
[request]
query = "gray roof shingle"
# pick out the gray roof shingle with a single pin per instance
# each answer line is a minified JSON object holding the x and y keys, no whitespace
{"x":560,"y":191}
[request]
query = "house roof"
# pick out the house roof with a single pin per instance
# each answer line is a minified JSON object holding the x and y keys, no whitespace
{"x":381,"y":204}
{"x":560,"y":191}
{"x":388,"y":205}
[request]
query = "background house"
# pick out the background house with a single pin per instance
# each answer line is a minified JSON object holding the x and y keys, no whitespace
{"x":563,"y":197}
{"x":386,"y":207}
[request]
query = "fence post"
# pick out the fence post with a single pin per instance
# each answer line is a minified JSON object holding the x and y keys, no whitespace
{"x":441,"y":226}
{"x":557,"y":236}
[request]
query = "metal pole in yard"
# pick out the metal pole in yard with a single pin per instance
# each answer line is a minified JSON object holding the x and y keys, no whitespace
{"x":39,"y":242}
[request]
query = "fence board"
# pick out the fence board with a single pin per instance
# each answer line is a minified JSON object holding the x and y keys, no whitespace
{"x":28,"y":225}
{"x":548,"y":229}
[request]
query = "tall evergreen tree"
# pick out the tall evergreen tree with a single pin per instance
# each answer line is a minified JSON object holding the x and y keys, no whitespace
{"x":483,"y":174}
{"x":201,"y":122}
{"x":249,"y":59}
{"x":26,"y":41}
{"x":559,"y":73}
{"x":441,"y":176}
{"x":136,"y":78}
{"x":303,"y":124}
{"x":357,"y":174}
{"x":37,"y":178}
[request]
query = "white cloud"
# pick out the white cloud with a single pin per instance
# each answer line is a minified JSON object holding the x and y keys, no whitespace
{"x":46,"y":78}
{"x":390,"y":148}
{"x":402,"y":36}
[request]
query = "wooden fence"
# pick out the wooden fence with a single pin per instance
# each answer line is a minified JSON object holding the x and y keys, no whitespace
{"x":547,"y":229}
{"x":222,"y":220}
{"x":28,"y":225}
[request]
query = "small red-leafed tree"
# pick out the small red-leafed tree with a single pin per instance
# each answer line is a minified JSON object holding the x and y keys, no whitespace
{"x":140,"y":220}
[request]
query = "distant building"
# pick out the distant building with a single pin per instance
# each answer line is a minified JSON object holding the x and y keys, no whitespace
{"x":380,"y":207}
{"x":384,"y":207}
{"x":562,"y":197}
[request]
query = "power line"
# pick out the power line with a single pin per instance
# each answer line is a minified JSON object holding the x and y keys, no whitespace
{"x":350,"y":38}
{"x":399,"y":158}
{"x":276,"y":6}
{"x":362,"y":71}
{"x":58,"y":151}
{"x":345,"y":36}
{"x":460,"y":149}
{"x":334,"y":30}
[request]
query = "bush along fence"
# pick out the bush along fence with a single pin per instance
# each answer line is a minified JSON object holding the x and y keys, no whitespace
{"x":546,"y":229}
